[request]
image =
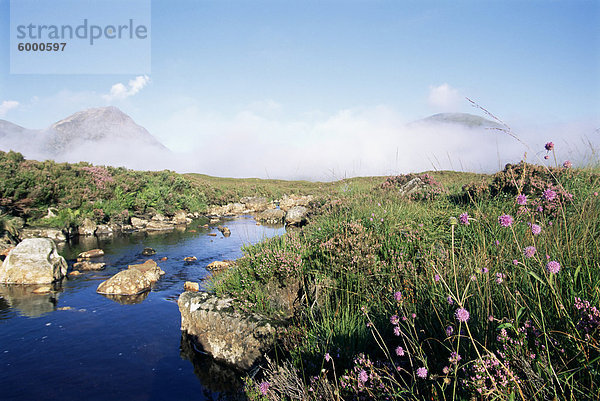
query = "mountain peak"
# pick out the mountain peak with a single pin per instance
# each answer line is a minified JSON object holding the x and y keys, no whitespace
{"x":464,"y":119}
{"x":105,"y":114}
{"x":99,"y":124}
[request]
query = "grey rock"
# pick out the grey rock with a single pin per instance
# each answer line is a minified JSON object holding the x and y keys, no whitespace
{"x":33,"y":261}
{"x":52,"y":233}
{"x":125,"y":282}
{"x":218,"y":265}
{"x":159,"y":217}
{"x":230,"y":336}
{"x":103,"y":230}
{"x":92,"y":253}
{"x":296,"y":216}
{"x":148,"y":252}
{"x":414,"y":185}
{"x":255,"y":203}
{"x":288,"y":202}
{"x":181,"y":218}
{"x":150,"y":269}
{"x":155,"y":225}
{"x":87,"y":227}
{"x":224,"y":230}
{"x":271,"y":216}
{"x":138,"y":223}
{"x":85,"y":266}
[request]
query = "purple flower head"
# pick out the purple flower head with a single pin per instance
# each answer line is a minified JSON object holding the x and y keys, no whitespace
{"x":436,"y":278}
{"x":422,"y":372}
{"x":394,"y":319}
{"x":515,"y":262}
{"x":396,"y":330}
{"x":399,"y":351}
{"x":549,"y":195}
{"x":445,"y":370}
{"x":500,"y":277}
{"x":496,"y":242}
{"x":454,"y":357}
{"x":505,"y":220}
{"x":264,"y":387}
{"x":536,"y":229}
{"x":546,"y":157}
{"x":327,"y":357}
{"x":485,"y":270}
{"x":567,"y":164}
{"x":522,"y":200}
{"x":553,"y":267}
{"x":398,"y":296}
{"x":362,"y":376}
{"x":449,"y":330}
{"x":462,"y":315}
{"x":464,"y":219}
{"x":529,"y":251}
{"x":450,"y":300}
{"x":549,"y":146}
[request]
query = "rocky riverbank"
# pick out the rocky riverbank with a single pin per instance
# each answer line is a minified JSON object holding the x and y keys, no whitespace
{"x":291,"y":210}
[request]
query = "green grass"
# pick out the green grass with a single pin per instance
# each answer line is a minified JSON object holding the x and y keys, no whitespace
{"x":106,"y":194}
{"x":525,"y":337}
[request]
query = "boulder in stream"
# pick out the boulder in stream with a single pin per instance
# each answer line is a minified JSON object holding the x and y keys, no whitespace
{"x":33,"y":261}
{"x":230,"y":336}
{"x":125,"y":282}
{"x":92,"y":253}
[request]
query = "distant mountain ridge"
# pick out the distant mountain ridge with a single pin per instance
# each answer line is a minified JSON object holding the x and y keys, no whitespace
{"x":95,"y":135}
{"x":463,"y":119}
{"x":98,"y":124}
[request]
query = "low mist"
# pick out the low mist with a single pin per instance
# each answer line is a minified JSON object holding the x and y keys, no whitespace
{"x":347,"y":144}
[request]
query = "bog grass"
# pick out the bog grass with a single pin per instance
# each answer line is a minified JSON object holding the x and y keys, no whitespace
{"x":438,"y":298}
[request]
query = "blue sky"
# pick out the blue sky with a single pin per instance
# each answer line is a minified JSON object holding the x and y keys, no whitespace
{"x":294,"y":66}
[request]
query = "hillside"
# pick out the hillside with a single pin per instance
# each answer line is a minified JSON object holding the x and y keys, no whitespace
{"x":105,"y":194}
{"x":102,"y":135}
{"x":465,"y":120}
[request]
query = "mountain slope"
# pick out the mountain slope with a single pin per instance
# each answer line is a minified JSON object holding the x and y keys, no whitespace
{"x":102,"y":124}
{"x":103,"y":135}
{"x":463,"y":119}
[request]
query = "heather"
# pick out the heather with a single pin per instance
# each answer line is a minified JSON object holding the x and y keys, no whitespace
{"x":75,"y":191}
{"x":487,"y":289}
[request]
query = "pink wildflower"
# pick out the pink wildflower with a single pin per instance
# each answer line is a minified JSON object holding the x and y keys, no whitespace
{"x":505,"y":220}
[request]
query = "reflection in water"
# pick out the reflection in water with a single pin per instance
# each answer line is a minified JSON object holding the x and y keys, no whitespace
{"x":127,"y":299}
{"x":129,"y":339}
{"x":214,"y":376}
{"x":5,"y":311}
{"x":23,"y":298}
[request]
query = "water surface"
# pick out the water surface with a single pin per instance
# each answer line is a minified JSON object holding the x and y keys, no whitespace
{"x":105,"y":349}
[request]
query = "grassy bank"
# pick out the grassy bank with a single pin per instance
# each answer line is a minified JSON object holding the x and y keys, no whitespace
{"x":105,"y":194}
{"x":488,"y":291}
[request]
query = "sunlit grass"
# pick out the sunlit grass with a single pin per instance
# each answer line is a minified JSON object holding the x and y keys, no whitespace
{"x":483,"y":312}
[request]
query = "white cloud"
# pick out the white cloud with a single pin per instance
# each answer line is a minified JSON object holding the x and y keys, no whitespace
{"x":349,"y":142}
{"x":444,"y":97}
{"x":7,"y":105}
{"x":119,"y":91}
